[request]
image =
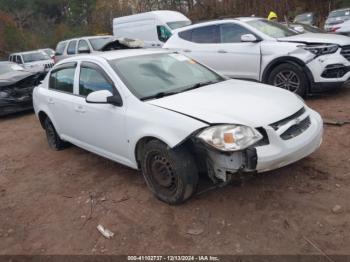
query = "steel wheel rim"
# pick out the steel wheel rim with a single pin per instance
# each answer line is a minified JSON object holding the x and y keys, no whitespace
{"x":161,"y":174}
{"x":287,"y":79}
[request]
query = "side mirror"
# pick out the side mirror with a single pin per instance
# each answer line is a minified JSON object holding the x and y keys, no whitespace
{"x":249,"y":38}
{"x":104,"y":97}
{"x":84,"y":50}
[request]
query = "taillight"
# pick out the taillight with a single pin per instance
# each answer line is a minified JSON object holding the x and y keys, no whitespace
{"x":334,"y":29}
{"x":54,"y":59}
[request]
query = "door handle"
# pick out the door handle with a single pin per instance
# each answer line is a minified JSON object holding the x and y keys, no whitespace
{"x":187,"y":50}
{"x":50,"y":101}
{"x":222,"y":51}
{"x":80,"y":109}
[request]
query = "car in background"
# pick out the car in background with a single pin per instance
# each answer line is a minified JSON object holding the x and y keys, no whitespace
{"x":35,"y":61}
{"x":16,"y":88}
{"x":50,"y":52}
{"x":173,"y":118}
{"x":153,"y":28}
{"x":260,"y":50}
{"x":93,"y":44}
{"x":336,"y":19}
{"x":303,"y":28}
{"x":309,"y":18}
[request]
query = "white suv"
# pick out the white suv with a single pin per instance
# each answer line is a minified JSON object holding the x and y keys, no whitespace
{"x":35,"y":61}
{"x":173,"y":118}
{"x":265,"y":51}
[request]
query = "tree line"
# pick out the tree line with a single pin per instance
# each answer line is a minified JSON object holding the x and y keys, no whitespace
{"x":31,"y":24}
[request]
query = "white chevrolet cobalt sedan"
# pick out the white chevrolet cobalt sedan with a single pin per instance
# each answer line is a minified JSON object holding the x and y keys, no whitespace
{"x":173,"y":118}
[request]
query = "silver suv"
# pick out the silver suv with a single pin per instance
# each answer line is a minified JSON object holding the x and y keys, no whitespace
{"x":93,"y":44}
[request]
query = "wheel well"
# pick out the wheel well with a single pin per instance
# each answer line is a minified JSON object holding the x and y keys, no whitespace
{"x":283,"y":60}
{"x":140,"y":145}
{"x":42,"y":116}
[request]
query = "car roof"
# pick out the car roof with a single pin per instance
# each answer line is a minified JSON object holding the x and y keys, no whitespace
{"x":117,"y":54}
{"x":85,"y":37}
{"x":341,"y":9}
{"x":219,"y":21}
{"x":26,"y":52}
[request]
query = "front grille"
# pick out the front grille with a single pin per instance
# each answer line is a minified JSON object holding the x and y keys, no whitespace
{"x":48,"y":65}
{"x":345,"y":51}
{"x":296,"y":129}
{"x":284,"y":121}
{"x":265,"y":140}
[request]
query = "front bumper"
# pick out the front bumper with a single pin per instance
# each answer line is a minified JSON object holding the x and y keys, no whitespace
{"x":281,"y":152}
{"x":328,"y":72}
{"x":281,"y":146}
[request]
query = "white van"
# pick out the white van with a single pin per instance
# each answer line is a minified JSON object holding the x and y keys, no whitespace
{"x":153,"y":28}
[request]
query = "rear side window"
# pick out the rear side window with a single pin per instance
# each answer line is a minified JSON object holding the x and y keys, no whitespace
{"x":83,"y":45}
{"x":62,"y":78}
{"x":202,"y":35}
{"x":71,"y":47}
{"x":60,"y":48}
{"x":186,"y":35}
{"x":231,"y":33}
{"x":92,"y":78}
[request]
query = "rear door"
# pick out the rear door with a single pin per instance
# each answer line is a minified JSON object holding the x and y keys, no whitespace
{"x":60,"y":98}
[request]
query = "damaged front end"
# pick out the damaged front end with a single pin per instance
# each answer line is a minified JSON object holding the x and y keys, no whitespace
{"x":222,"y":166}
{"x":16,"y":93}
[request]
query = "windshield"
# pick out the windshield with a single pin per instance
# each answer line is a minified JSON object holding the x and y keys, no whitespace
{"x":98,"y":43}
{"x":178,"y":24}
{"x":339,"y":13}
{"x":9,"y":67}
{"x":35,"y":56}
{"x":149,"y":75}
{"x":271,"y":29}
{"x":304,"y":18}
{"x":49,"y":52}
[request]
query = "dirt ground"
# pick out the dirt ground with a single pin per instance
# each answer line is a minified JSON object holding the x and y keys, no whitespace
{"x":51,"y":202}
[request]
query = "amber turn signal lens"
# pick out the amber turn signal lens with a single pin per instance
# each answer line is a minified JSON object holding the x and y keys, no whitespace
{"x":228,"y":138}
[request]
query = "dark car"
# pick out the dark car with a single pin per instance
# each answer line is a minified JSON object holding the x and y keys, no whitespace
{"x":303,"y":28}
{"x":16,"y":88}
{"x":309,"y":18}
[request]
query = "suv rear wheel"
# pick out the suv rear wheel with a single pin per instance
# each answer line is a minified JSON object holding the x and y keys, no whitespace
{"x":289,"y":76}
{"x":171,"y":174}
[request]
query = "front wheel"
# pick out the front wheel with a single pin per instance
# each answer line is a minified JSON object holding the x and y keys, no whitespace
{"x":171,"y":174}
{"x":290,"y":77}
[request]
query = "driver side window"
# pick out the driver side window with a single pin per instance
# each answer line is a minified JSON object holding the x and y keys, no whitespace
{"x":93,"y":79}
{"x":231,"y":33}
{"x":163,"y":33}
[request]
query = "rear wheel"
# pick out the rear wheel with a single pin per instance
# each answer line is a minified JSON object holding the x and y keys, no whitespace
{"x":171,"y":174}
{"x":290,"y":77}
{"x":53,"y":139}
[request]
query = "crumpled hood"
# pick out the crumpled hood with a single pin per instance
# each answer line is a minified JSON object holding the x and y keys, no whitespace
{"x":14,"y":77}
{"x":235,"y":102}
{"x":318,"y":38}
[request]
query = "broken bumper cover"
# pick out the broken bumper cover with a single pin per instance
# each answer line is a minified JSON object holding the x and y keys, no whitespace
{"x":10,"y":106}
{"x":281,"y":152}
{"x":297,"y":137}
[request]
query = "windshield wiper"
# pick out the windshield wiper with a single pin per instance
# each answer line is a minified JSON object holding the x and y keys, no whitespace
{"x":158,"y":95}
{"x":163,"y":94}
{"x":198,"y":85}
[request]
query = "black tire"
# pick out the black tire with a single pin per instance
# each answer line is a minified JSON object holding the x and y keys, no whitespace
{"x":53,"y":139}
{"x":171,"y":174}
{"x":291,"y":77}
